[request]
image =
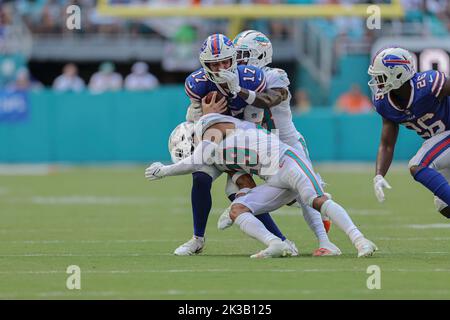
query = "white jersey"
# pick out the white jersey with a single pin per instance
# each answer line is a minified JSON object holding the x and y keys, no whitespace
{"x":211,"y":119}
{"x":280,"y":116}
{"x":249,"y":148}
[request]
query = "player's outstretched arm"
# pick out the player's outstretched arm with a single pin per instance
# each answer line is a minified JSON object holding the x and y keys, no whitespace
{"x":201,"y":156}
{"x":267,"y":99}
{"x":385,"y":155}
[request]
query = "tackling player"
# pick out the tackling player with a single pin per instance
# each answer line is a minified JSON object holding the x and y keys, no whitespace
{"x":419,"y":101}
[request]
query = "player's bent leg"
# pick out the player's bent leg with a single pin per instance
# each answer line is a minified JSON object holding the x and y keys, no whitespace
{"x":314,"y":221}
{"x":259,"y":200}
{"x":254,"y":228}
{"x":433,"y":181}
{"x":298,"y":173}
{"x":231,"y":190}
{"x":341,"y":218}
{"x":428,"y":164}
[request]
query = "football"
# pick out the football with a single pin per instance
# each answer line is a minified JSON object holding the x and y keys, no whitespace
{"x":209,"y":96}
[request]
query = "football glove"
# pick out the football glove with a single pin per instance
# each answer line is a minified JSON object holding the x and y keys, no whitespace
{"x":232,"y":80}
{"x":379,"y":183}
{"x":154,"y":172}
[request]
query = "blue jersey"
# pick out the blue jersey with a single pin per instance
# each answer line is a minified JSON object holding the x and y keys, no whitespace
{"x":425,"y":113}
{"x":252,"y":78}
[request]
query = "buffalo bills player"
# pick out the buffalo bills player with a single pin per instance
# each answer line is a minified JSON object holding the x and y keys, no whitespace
{"x":419,"y":101}
{"x":218,"y":60}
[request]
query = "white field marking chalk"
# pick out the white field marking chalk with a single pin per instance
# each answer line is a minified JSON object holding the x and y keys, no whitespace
{"x":429,"y":226}
{"x":223,"y":270}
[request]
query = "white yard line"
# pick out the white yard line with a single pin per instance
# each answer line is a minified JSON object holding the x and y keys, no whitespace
{"x":108,"y":241}
{"x":429,"y":226}
{"x":26,"y":169}
{"x":97,"y":200}
{"x":363,"y":270}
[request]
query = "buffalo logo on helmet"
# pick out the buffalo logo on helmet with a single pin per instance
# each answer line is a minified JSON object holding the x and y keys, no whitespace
{"x":392,"y":61}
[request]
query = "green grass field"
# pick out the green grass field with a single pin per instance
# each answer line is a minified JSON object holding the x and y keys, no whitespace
{"x":121,"y":231}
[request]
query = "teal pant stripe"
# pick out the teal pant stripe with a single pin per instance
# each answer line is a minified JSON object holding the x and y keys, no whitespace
{"x":307,"y":171}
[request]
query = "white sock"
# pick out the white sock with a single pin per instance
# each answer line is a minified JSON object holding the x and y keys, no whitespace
{"x":255,"y":228}
{"x":314,"y":221}
{"x":340,"y":217}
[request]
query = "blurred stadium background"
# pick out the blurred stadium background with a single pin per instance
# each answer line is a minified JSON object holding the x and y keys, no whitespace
{"x":324,"y":45}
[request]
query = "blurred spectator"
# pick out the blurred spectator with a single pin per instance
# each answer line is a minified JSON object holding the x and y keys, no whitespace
{"x":24,"y":82}
{"x":140,"y":78}
{"x":105,"y":79}
{"x":354,"y":101}
{"x":69,"y":80}
{"x":302,"y":103}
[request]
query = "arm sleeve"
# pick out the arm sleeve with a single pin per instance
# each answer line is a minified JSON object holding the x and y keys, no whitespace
{"x":193,"y":89}
{"x":277,"y":78}
{"x":436,"y":82}
{"x":203,"y":155}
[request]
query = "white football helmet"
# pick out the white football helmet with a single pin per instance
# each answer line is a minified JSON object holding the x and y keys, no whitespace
{"x":390,"y":69}
{"x":215,"y":48}
{"x":181,"y":141}
{"x":253,"y":48}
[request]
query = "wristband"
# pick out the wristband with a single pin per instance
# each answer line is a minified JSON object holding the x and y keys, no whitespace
{"x":251,"y":97}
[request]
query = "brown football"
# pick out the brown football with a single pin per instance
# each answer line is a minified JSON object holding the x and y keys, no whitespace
{"x":209,"y":96}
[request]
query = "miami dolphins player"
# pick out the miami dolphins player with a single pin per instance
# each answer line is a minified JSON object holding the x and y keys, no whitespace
{"x":419,"y":101}
{"x":241,"y":146}
{"x":255,"y":49}
{"x":218,"y":56}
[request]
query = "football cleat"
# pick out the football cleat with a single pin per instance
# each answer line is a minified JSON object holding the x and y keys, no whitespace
{"x":225,"y":221}
{"x":329,"y":249}
{"x":366,"y":248}
{"x":275,"y":250}
{"x":327,"y":225}
{"x":293,"y":251}
{"x":193,"y":246}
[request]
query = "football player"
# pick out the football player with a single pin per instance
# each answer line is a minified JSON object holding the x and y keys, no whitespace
{"x":241,"y":146}
{"x":255,"y":49}
{"x":419,"y":101}
{"x":218,"y":60}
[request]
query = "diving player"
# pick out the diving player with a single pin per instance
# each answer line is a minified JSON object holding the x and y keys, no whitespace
{"x":419,"y":101}
{"x":218,"y":54}
{"x":240,"y":146}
